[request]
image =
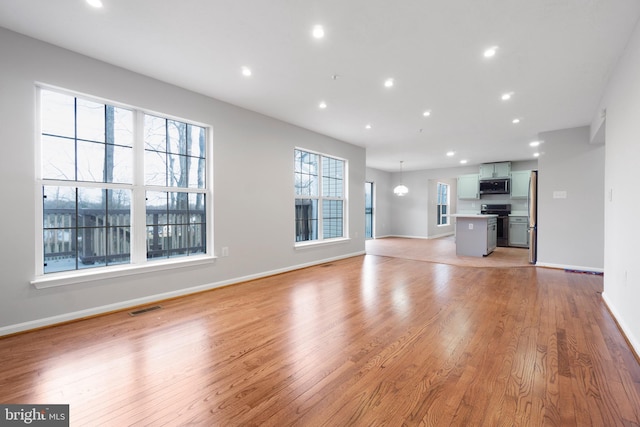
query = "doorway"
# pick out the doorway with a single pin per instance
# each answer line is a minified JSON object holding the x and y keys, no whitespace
{"x":368,"y":210}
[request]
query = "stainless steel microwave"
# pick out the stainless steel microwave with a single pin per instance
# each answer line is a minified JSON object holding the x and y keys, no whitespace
{"x":495,"y":186}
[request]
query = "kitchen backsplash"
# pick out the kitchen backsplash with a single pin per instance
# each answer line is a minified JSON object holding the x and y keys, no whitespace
{"x":473,"y":206}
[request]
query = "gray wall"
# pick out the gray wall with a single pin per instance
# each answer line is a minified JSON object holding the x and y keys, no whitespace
{"x":622,"y":204}
{"x":571,"y":229}
{"x":253,"y":187}
{"x":412,"y":214}
{"x":433,"y":229}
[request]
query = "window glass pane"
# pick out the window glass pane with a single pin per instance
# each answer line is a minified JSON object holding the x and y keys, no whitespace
{"x":120,"y":166}
{"x":91,"y":247}
{"x":119,"y":207}
{"x":155,"y":168}
{"x":59,"y":207}
{"x":179,"y":170}
{"x":118,"y":245}
{"x":90,"y":120}
{"x":156,"y":208}
{"x":91,"y":162}
{"x":92,"y":210}
{"x":122,"y":126}
{"x":197,"y":239}
{"x":196,"y":143}
{"x":58,"y":114}
{"x":155,"y":236}
{"x":177,"y":137}
{"x":155,"y":133}
{"x":332,"y":173}
{"x":306,"y":219}
{"x":197,"y":172}
{"x":59,"y":249}
{"x":197,"y":209}
{"x":177,"y":240}
{"x":178,"y":208}
{"x":332,"y":218}
{"x":58,"y":158}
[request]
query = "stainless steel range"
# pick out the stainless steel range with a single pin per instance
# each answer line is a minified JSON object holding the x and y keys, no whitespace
{"x":503,"y":212}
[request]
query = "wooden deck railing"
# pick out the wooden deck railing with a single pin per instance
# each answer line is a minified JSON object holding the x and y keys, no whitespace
{"x":93,"y":237}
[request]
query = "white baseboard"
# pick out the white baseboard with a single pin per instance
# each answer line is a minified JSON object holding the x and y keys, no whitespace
{"x":633,"y":340}
{"x":81,"y":314}
{"x":570,"y":267}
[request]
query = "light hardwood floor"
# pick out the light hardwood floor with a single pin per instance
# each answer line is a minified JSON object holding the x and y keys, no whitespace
{"x":369,"y":340}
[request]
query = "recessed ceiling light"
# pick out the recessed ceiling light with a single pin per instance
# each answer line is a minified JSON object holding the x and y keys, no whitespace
{"x":507,"y":96}
{"x":318,"y":31}
{"x":536,"y":154}
{"x":534,"y":143}
{"x":95,"y":3}
{"x":388,"y":82}
{"x":367,"y":127}
{"x":322,"y":105}
{"x":490,"y":52}
{"x":463,"y":162}
{"x":515,"y":121}
{"x":451,"y":153}
{"x":427,"y":113}
{"x":246,"y":71}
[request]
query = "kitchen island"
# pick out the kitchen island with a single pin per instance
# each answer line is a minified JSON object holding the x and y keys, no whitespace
{"x":476,"y":234}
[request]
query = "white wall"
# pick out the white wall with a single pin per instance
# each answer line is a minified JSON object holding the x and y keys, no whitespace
{"x":571,"y":229}
{"x":253,"y":180}
{"x":622,"y":204}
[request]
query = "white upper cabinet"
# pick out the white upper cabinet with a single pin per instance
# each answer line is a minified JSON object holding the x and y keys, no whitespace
{"x":495,"y":170}
{"x":520,"y":184}
{"x":468,"y":186}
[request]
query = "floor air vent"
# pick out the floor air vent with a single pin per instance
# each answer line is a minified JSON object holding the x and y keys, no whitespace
{"x":144,"y":310}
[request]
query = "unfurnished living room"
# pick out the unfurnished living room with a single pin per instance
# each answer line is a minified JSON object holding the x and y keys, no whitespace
{"x":320,"y":213}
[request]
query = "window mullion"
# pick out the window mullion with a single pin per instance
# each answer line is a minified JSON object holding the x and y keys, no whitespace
{"x":138,"y":205}
{"x":320,"y":200}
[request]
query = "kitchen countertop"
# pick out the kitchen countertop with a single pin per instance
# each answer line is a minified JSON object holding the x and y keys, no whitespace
{"x":474,"y":215}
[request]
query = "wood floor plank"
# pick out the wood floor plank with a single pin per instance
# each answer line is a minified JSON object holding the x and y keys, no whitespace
{"x":369,"y":340}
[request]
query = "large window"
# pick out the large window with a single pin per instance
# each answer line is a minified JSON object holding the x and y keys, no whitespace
{"x":319,"y":196}
{"x":443,"y":204}
{"x":100,"y":163}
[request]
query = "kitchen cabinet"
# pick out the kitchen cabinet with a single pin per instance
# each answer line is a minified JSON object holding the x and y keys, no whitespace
{"x":518,"y":231}
{"x":476,"y":235}
{"x":495,"y":170}
{"x":520,"y":184}
{"x":468,"y":186}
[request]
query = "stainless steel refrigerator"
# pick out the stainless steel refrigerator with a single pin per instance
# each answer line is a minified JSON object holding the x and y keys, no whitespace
{"x":532,"y":203}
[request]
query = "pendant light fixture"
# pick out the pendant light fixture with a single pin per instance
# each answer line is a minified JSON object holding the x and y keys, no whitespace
{"x":401,"y":189}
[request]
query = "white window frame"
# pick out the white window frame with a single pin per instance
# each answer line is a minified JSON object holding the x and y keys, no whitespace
{"x":345,"y":204}
{"x":139,"y":263}
{"x":439,"y":214}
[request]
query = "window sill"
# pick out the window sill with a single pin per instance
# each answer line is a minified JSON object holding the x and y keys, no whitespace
{"x":315,"y":243}
{"x":70,"y":278}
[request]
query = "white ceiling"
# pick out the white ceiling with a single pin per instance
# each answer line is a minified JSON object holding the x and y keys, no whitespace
{"x":554,"y":55}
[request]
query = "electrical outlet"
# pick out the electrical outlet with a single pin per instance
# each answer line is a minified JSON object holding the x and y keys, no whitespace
{"x":471,"y":226}
{"x":225,"y":251}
